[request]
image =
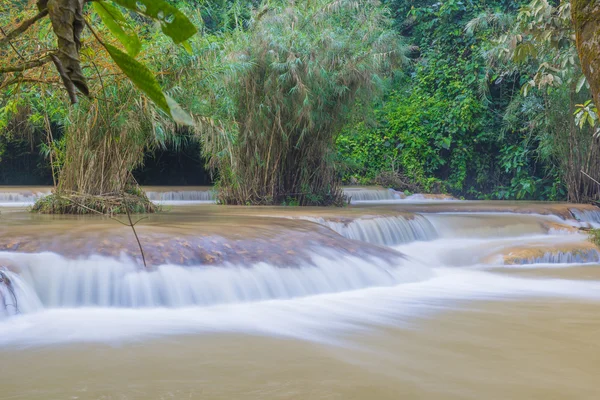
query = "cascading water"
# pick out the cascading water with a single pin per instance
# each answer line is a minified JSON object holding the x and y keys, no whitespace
{"x":182,"y":196}
{"x":446,"y":301}
{"x":15,"y":295}
{"x":56,"y":282}
{"x":385,"y":231}
{"x":372,"y":195}
{"x":560,"y":257}
{"x":507,"y":225}
{"x":8,"y":297}
{"x":592,"y":216}
{"x":21,"y":197}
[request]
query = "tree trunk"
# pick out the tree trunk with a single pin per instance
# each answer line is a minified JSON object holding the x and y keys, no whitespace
{"x":586,"y":20}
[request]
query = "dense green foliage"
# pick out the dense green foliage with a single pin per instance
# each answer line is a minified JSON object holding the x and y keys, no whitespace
{"x":289,"y":100}
{"x":307,"y":67}
{"x":463,"y":118}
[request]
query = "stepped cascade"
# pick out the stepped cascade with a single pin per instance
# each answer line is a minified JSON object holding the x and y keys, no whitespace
{"x":313,"y":276}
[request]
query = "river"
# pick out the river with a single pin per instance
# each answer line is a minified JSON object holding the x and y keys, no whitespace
{"x":389,"y":298}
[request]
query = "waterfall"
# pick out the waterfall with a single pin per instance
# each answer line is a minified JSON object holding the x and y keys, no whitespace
{"x":16,"y":296}
{"x":52,"y":281}
{"x":21,"y":197}
{"x":8,"y":297}
{"x":362,"y":195}
{"x":385,"y":231}
{"x":592,"y":216}
{"x":430,"y":197}
{"x":207,"y":195}
{"x":560,"y":257}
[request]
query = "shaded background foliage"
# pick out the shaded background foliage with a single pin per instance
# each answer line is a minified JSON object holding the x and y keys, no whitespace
{"x":459,"y":122}
{"x":476,"y":113}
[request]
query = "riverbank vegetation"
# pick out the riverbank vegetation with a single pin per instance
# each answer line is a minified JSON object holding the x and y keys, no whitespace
{"x":286,"y":102}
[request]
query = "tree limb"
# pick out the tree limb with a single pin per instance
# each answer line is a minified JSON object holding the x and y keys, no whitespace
{"x":30,"y":80}
{"x":23,"y":27}
{"x":68,"y":23}
{"x":586,"y":20}
{"x":12,"y":45}
{"x":26,"y":65}
{"x":67,"y":82}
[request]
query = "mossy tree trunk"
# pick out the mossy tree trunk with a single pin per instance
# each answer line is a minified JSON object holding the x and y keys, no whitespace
{"x":586,"y":20}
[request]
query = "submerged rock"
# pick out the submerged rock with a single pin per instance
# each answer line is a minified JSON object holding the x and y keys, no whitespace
{"x":578,"y":252}
{"x":279,"y":242}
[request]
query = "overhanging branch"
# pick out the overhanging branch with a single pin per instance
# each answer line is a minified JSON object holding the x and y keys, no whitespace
{"x":26,"y":65}
{"x":22,"y":27}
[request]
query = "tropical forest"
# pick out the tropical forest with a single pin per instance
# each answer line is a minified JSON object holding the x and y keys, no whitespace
{"x":299,"y":199}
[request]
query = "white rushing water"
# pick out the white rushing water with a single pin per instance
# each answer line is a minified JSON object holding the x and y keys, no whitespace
{"x":104,"y":282}
{"x":182,"y":196}
{"x":591,"y":216}
{"x":386,"y":231}
{"x":320,"y":318}
{"x":562,"y":257}
{"x":358,"y":195}
{"x":21,"y":197}
{"x":104,"y":299}
{"x":197,"y":195}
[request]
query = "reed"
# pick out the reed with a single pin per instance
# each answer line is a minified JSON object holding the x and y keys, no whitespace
{"x":104,"y":140}
{"x":307,"y":67}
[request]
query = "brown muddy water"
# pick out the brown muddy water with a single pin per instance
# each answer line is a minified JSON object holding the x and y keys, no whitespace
{"x":390,"y":298}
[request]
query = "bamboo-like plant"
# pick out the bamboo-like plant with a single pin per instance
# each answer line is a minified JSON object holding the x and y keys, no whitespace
{"x":104,"y":141}
{"x":302,"y":69}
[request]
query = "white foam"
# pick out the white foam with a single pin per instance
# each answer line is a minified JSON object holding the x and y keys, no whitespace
{"x":317,"y":318}
{"x":107,"y":300}
{"x":182,"y":196}
{"x":386,"y":231}
{"x":104,"y":282}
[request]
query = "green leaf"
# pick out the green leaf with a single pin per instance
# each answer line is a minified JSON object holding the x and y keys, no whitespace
{"x":446,"y":142}
{"x":187,"y":47}
{"x":117,"y":24}
{"x":143,"y":78}
{"x":580,"y":83}
{"x":172,"y":21}
{"x":178,"y":114}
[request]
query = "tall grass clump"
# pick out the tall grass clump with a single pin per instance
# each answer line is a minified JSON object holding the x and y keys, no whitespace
{"x":104,"y":140}
{"x":295,"y":76}
{"x":594,"y":236}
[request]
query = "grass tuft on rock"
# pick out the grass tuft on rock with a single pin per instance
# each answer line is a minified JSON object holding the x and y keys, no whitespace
{"x":133,"y":200}
{"x":594,"y":236}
